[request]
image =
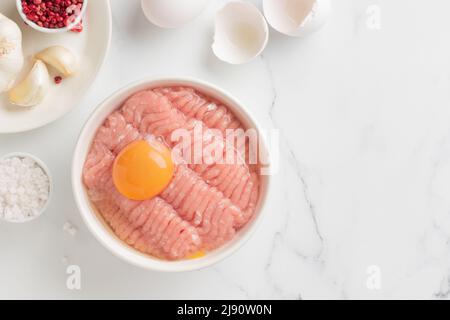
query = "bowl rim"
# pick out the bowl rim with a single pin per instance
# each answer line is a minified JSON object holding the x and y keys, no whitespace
{"x":48,"y":30}
{"x":46,"y":170}
{"x":116,"y":246}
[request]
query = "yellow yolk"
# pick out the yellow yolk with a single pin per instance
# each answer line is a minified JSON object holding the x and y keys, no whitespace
{"x":197,"y":255}
{"x":143,"y":170}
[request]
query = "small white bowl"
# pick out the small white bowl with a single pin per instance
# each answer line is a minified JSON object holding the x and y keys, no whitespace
{"x":44,"y":168}
{"x":48,"y":30}
{"x":99,"y":227}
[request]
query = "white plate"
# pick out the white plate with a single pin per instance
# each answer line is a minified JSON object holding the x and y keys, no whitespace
{"x":90,"y":47}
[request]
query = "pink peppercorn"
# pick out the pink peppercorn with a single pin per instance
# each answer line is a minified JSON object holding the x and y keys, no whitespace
{"x":58,"y":79}
{"x":52,"y":13}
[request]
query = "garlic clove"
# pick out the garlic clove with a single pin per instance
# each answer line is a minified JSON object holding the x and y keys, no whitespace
{"x":60,"y":58}
{"x":32,"y":90}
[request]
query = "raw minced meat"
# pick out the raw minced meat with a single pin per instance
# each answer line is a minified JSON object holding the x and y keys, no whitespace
{"x":203,"y":206}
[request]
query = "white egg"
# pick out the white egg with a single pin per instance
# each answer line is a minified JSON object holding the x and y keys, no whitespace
{"x":241,"y":32}
{"x":172,"y":13}
{"x":297,"y":17}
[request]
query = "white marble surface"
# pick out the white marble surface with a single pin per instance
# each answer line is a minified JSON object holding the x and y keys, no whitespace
{"x":364,"y":175}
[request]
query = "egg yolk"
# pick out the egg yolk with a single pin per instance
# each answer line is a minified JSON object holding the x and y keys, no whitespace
{"x":197,"y":255}
{"x":143,"y":169}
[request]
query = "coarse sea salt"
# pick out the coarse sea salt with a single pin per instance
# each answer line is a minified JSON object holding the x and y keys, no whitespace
{"x":24,"y":189}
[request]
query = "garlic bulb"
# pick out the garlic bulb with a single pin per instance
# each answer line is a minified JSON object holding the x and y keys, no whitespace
{"x":11,"y":56}
{"x":32,"y":90}
{"x":60,"y":58}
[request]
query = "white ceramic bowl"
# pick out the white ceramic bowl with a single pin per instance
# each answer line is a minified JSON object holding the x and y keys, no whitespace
{"x":98,"y":226}
{"x":44,"y":168}
{"x":48,"y":30}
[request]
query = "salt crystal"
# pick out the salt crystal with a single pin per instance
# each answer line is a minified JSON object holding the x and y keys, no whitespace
{"x":70,"y":229}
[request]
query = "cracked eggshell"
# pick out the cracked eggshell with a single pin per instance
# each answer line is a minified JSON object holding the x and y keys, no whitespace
{"x":172,"y":13}
{"x":241,"y":32}
{"x":297,"y":18}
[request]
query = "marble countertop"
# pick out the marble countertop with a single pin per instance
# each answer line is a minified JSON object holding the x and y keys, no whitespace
{"x":361,"y":204}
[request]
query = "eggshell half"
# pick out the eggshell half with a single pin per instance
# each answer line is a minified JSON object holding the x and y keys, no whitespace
{"x":297,"y":18}
{"x":241,"y":32}
{"x":172,"y":13}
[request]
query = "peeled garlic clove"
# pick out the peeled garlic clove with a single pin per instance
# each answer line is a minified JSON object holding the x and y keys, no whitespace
{"x":241,"y":32}
{"x":297,"y":18}
{"x":32,"y":90}
{"x":60,"y":58}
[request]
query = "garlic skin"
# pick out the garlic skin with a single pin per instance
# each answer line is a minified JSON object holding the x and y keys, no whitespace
{"x":11,"y":55}
{"x":60,"y":58}
{"x":32,"y":90}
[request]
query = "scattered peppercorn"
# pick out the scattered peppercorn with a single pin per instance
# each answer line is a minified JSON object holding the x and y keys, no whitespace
{"x":58,"y":79}
{"x":78,"y":27}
